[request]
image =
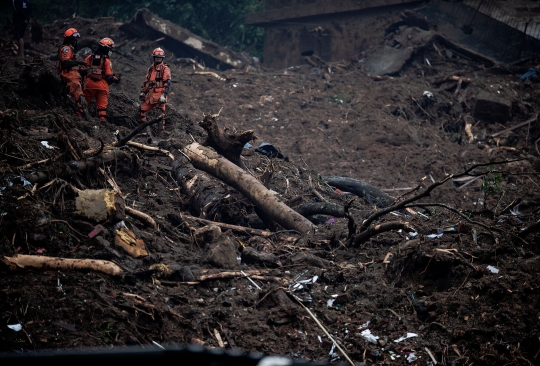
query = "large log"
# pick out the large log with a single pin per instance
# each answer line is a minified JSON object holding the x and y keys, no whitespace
{"x":208,"y":197}
{"x":209,"y":161}
{"x":371,"y":194}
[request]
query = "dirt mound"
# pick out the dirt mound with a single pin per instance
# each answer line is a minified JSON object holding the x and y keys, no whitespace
{"x":459,"y":270}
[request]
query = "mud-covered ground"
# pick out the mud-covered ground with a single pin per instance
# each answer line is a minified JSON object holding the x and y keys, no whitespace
{"x":329,"y":120}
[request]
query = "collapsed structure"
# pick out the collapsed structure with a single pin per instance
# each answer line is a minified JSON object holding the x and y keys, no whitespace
{"x":341,"y":30}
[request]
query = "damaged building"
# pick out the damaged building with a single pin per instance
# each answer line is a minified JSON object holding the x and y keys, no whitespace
{"x":342,"y":30}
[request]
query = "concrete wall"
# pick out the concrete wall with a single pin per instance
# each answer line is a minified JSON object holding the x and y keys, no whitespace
{"x":332,"y":37}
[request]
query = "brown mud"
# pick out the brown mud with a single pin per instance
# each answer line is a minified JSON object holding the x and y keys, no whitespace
{"x":329,"y":120}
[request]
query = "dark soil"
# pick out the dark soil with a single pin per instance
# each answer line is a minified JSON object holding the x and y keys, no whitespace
{"x":329,"y":120}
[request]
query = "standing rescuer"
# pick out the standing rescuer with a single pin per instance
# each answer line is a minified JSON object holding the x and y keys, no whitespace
{"x":99,"y":76}
{"x":69,"y":68}
{"x":156,"y":86}
{"x":21,"y":17}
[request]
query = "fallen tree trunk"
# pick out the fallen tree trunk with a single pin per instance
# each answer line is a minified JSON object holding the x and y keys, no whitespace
{"x":35,"y":261}
{"x":208,"y":160}
{"x":208,"y":197}
{"x":321,"y":208}
{"x":371,"y":194}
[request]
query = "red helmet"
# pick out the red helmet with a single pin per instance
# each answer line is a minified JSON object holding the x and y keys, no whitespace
{"x":158,"y":52}
{"x":72,"y":32}
{"x":107,"y":42}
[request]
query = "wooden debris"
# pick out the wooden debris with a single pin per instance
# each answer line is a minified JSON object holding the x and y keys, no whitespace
{"x":227,"y":144}
{"x":141,"y":216}
{"x":100,"y":205}
{"x":208,"y":160}
{"x":150,"y":148}
{"x":35,"y":261}
{"x":126,"y":239}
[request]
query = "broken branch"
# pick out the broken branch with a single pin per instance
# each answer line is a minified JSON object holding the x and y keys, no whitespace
{"x":35,"y":261}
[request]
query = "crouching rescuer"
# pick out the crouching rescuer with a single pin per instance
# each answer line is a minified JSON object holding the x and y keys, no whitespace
{"x":69,"y":68}
{"x":156,"y":86}
{"x":99,"y":76}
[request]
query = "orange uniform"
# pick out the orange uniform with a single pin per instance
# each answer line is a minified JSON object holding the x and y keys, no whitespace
{"x":70,"y":75}
{"x":97,"y":84}
{"x":158,"y":78}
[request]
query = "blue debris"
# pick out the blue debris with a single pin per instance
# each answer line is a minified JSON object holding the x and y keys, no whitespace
{"x":248,"y":146}
{"x":531,"y":74}
{"x":269,"y":150}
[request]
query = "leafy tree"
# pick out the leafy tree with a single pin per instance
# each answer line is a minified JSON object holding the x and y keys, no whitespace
{"x":220,"y":21}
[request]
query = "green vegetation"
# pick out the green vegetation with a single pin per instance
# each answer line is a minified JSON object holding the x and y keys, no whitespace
{"x":220,"y":21}
{"x":491,"y":185}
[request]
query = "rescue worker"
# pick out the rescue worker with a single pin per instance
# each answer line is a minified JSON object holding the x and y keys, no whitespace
{"x":21,"y":17}
{"x":99,"y":76}
{"x":156,"y":86}
{"x":69,"y":70}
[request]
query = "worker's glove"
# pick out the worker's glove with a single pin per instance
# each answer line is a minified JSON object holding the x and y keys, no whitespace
{"x":142,"y":96}
{"x":162,"y":99}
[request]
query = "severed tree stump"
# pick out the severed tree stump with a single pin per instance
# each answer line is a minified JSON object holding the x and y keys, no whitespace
{"x":227,"y":144}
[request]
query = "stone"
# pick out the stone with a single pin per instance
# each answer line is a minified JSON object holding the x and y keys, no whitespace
{"x":253,"y":256}
{"x":310,"y":260}
{"x":492,"y":108}
{"x":388,"y":60}
{"x":222,"y":253}
{"x":207,"y":234}
{"x":531,"y":265}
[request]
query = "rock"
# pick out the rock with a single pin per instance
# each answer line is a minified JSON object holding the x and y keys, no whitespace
{"x":182,"y":274}
{"x":222,"y":253}
{"x":207,"y":234}
{"x":388,"y":60}
{"x":492,"y":108}
{"x":253,"y":256}
{"x":531,"y":265}
{"x":413,"y":19}
{"x":310,"y":259}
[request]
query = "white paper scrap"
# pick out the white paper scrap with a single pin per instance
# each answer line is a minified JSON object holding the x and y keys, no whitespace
{"x":366,"y":334}
{"x":411,"y":357}
{"x":493,"y":269}
{"x":409,"y":335}
{"x":15,"y":327}
{"x":330,"y":302}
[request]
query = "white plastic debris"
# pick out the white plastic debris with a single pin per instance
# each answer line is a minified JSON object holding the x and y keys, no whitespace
{"x":332,"y":350}
{"x":428,"y":94}
{"x":46,"y":144}
{"x":433,"y":236}
{"x":366,"y":334}
{"x":411,"y":357}
{"x":408,"y":335}
{"x":366,"y":324}
{"x":330,"y":302}
{"x":15,"y":327}
{"x":320,"y":339}
{"x":310,"y":281}
{"x":493,"y":269}
{"x":413,"y":234}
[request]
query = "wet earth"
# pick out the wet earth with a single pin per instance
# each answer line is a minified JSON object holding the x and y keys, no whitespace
{"x":463,"y":284}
